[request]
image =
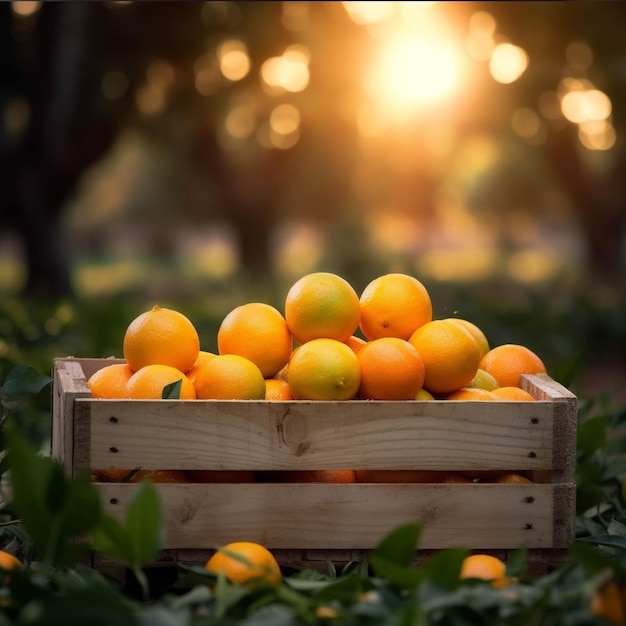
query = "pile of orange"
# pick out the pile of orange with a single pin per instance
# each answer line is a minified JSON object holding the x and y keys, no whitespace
{"x":329,"y":344}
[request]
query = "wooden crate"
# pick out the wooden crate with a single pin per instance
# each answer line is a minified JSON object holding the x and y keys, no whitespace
{"x":306,"y":524}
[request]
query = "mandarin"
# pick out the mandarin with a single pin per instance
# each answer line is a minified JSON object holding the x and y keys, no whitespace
{"x":258,"y":332}
{"x":609,"y":603}
{"x":450,"y":354}
{"x":161,"y":336}
{"x":507,"y":362}
{"x":317,"y":476}
{"x":513,"y":393}
{"x":277,"y":389}
{"x":324,"y":369}
{"x":355,"y":342}
{"x":422,"y":394}
{"x":246,"y":563}
{"x":398,"y":476}
{"x":322,"y":304}
{"x":222,"y":476}
{"x":391,"y":369}
{"x":148,"y":383}
{"x":111,"y":381}
{"x":230,"y":377}
{"x":203,"y":357}
{"x":135,"y":476}
{"x":9,"y":561}
{"x":476,"y":332}
{"x":483,"y":380}
{"x":471,"y":393}
{"x":511,"y":478}
{"x":394,"y":305}
{"x":486,"y":567}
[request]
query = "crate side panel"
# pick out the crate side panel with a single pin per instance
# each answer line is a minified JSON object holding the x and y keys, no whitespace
{"x":68,"y":384}
{"x":542,"y":387}
{"x":319,"y":435}
{"x":325,"y":516}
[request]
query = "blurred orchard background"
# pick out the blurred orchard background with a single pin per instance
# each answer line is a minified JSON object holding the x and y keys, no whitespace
{"x":201,"y":155}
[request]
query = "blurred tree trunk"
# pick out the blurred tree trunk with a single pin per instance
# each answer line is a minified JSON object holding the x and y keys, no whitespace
{"x":60,"y":141}
{"x":599,"y":202}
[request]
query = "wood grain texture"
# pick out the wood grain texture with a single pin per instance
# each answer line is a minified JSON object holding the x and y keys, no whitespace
{"x":68,"y":383}
{"x":309,"y":522}
{"x":354,"y":516}
{"x":260,"y":435}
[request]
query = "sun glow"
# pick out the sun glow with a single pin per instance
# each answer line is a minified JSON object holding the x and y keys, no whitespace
{"x":414,"y":69}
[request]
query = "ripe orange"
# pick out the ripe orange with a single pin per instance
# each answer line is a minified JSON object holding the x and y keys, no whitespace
{"x":203,"y":357}
{"x":391,"y":369}
{"x":161,"y":336}
{"x":246,"y":563}
{"x":471,"y":393}
{"x":147,"y":383}
{"x":399,"y":476}
{"x":222,"y":476}
{"x":483,"y":380}
{"x":8,"y":561}
{"x":317,"y":476}
{"x":258,"y":332}
{"x":230,"y":377}
{"x":322,"y":304}
{"x":394,"y":305}
{"x":161,"y":476}
{"x":355,"y":342}
{"x":511,"y":478}
{"x":609,"y":603}
{"x":422,"y":394}
{"x":154,"y":476}
{"x":507,"y":362}
{"x":476,"y":332}
{"x":324,"y":369}
{"x":485,"y":567}
{"x":455,"y":477}
{"x":111,"y":381}
{"x":513,"y":393}
{"x":277,"y":389}
{"x":450,"y":355}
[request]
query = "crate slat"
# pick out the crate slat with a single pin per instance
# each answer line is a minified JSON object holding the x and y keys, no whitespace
{"x":315,"y":435}
{"x":353,"y":516}
{"x":310,"y":523}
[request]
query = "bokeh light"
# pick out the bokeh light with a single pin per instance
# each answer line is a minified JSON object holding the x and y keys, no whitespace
{"x":507,"y":63}
{"x":234,"y":62}
{"x":288,"y":72}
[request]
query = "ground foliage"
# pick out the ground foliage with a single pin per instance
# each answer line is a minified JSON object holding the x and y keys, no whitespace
{"x":47,"y":512}
{"x":44,"y":512}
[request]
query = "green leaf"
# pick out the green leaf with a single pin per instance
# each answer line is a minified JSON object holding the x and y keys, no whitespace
{"x":54,"y":509}
{"x":137,"y":541}
{"x":172,"y":391}
{"x":444,"y":567}
{"x":613,"y":541}
{"x":30,"y":476}
{"x":400,"y":575}
{"x":96,"y":605}
{"x":566,"y":372}
{"x":111,"y":538}
{"x":517,"y":563}
{"x":346,"y":588}
{"x":616,"y":527}
{"x":399,"y":545}
{"x":144,"y":523}
{"x":591,"y":435}
{"x":24,"y":380}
